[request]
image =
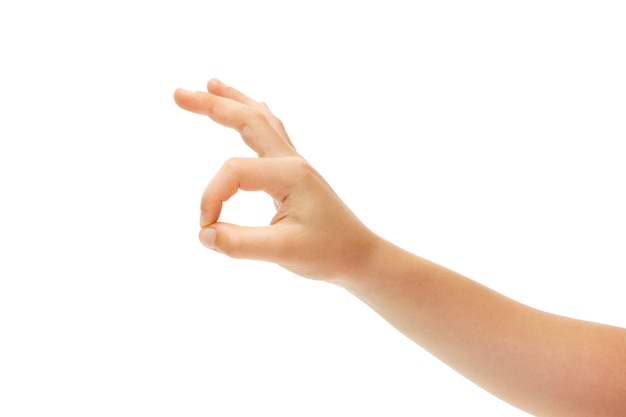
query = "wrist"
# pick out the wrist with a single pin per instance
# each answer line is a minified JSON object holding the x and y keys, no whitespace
{"x":374,"y":264}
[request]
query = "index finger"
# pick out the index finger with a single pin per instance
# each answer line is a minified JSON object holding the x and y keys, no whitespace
{"x":272,"y":175}
{"x":251,"y":123}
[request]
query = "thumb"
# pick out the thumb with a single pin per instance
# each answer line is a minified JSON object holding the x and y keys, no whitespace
{"x":259,"y":243}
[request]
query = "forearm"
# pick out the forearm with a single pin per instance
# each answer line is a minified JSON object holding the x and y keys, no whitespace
{"x":540,"y":362}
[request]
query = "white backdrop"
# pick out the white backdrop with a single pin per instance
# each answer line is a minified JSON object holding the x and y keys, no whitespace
{"x":483,"y":135}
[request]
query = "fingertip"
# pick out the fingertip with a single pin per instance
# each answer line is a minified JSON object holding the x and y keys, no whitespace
{"x":207,"y":237}
{"x":179,"y":95}
{"x":214,"y":85}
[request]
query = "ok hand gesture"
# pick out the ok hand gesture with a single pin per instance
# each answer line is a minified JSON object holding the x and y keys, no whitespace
{"x":313,"y":233}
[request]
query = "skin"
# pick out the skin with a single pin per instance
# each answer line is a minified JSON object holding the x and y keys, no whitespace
{"x":544,"y":364}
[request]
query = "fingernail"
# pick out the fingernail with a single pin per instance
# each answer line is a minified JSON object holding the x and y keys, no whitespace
{"x":207,"y":237}
{"x":203,"y":220}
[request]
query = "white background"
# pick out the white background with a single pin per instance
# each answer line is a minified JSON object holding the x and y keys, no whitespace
{"x":483,"y":135}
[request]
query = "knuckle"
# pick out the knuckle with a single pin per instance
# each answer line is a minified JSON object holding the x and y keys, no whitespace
{"x":253,"y":122}
{"x":210,"y":108}
{"x":279,"y":123}
{"x":231,"y":166}
{"x":270,"y":115}
{"x":229,"y":178}
{"x":297,"y":171}
{"x":254,"y":118}
{"x":301,"y":168}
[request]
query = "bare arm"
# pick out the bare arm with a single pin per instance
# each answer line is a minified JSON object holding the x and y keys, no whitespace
{"x":542,"y":363}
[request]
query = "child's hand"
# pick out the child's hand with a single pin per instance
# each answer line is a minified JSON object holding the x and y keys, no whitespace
{"x":313,"y":233}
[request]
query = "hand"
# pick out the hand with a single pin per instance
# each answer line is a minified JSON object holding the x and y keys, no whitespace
{"x":313,"y":233}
